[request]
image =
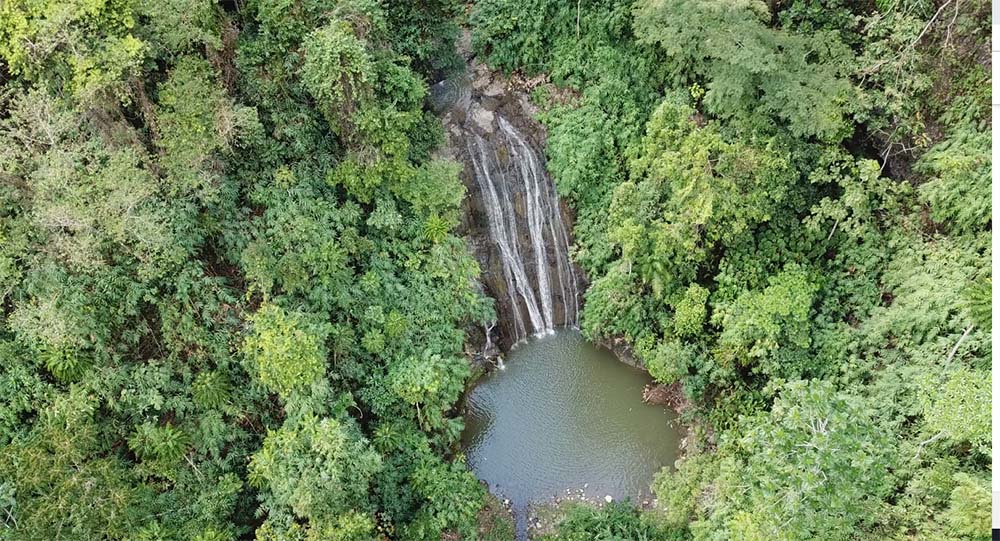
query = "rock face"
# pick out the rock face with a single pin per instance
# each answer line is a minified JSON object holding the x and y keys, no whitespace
{"x":514,"y":222}
{"x":622,"y":351}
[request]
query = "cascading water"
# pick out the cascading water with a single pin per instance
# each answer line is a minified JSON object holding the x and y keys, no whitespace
{"x":526,"y":230}
{"x":512,"y":216}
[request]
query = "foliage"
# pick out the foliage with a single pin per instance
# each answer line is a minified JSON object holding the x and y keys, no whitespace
{"x":287,"y":352}
{"x":84,"y":48}
{"x":425,"y":32}
{"x":815,"y":466}
{"x":767,"y":193}
{"x":495,"y":521}
{"x":617,"y":520}
{"x":685,"y":494}
{"x":337,"y":69}
{"x":316,"y":469}
{"x":752,"y":73}
{"x":958,"y":192}
{"x":60,"y":464}
{"x":691,"y":312}
{"x":203,"y":207}
{"x":453,"y":496}
{"x":162,"y":443}
{"x":969,"y":510}
{"x":953,"y":407}
{"x":233,"y":305}
{"x":770,"y":327}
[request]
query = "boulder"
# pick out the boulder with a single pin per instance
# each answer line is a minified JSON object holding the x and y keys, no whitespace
{"x":482,"y":118}
{"x":490,"y":104}
{"x":494,"y":89}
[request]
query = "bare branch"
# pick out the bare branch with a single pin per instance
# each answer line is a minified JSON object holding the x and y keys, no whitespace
{"x":929,"y":23}
{"x":921,"y":445}
{"x":959,"y":343}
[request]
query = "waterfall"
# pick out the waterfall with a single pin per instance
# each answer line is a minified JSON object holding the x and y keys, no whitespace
{"x":526,"y":231}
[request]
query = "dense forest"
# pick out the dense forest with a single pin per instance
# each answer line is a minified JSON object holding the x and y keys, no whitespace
{"x":234,"y":304}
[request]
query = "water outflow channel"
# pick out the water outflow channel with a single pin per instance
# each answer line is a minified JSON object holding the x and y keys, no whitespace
{"x":564,"y":414}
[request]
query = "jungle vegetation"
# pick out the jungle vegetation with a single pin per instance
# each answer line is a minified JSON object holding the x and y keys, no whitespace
{"x":233,"y":304}
{"x":783,"y":208}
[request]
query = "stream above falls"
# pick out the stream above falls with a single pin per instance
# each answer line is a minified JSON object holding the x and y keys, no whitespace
{"x":565,"y":414}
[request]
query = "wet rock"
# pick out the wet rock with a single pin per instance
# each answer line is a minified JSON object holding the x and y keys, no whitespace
{"x":528,"y":108}
{"x":520,"y":207}
{"x":481,"y":79}
{"x":482,"y":118}
{"x":463,"y":45}
{"x":623,"y":351}
{"x":490,"y":104}
{"x":494,"y":89}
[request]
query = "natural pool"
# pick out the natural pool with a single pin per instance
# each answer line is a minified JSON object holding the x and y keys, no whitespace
{"x":564,"y":414}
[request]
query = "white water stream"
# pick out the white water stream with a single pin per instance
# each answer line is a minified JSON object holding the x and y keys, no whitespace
{"x":527,"y":229}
